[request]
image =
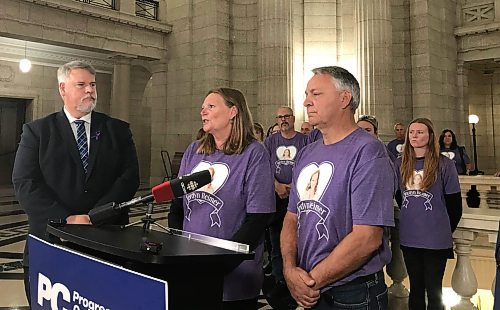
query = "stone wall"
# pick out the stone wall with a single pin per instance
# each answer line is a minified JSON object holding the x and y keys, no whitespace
{"x":402,"y":64}
{"x":40,"y":86}
{"x":434,"y":51}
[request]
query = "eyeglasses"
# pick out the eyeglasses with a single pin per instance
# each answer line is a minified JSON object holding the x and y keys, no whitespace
{"x":286,"y":116}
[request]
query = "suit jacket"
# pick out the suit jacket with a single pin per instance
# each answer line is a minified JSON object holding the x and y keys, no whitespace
{"x":48,"y":176}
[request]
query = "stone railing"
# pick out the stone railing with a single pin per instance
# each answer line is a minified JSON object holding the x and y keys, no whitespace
{"x":480,"y":11}
{"x":486,"y":185}
{"x":475,"y":221}
{"x":477,"y":16}
{"x":123,"y":12}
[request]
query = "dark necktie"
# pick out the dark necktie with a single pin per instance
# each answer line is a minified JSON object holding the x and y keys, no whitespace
{"x":81,"y":142}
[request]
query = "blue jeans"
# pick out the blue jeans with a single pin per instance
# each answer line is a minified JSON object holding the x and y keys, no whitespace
{"x":367,"y":295}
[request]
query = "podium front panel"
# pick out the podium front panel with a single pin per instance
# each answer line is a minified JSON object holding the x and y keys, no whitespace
{"x":64,"y":279}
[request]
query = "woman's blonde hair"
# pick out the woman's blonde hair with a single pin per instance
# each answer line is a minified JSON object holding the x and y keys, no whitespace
{"x":242,"y":133}
{"x":431,"y":158}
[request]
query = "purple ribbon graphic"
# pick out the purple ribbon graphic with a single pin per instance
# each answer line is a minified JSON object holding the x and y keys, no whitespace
{"x":306,"y":207}
{"x":417,"y":194}
{"x":202,"y":197}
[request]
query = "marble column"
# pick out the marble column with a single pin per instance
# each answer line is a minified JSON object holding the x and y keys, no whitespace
{"x":497,"y":10}
{"x":463,"y":132}
{"x":274,"y":50}
{"x":127,"y":7}
{"x":120,"y":93}
{"x":161,"y":115}
{"x":374,"y":61}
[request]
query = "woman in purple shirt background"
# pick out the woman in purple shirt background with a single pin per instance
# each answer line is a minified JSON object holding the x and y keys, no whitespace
{"x":239,"y":202}
{"x":450,"y":148}
{"x":431,"y":207}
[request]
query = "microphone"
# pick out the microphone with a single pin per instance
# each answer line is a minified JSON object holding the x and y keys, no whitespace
{"x":163,"y":192}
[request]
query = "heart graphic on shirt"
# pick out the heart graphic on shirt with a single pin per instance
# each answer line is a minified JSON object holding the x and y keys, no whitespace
{"x":313,"y":180}
{"x":399,"y":148}
{"x":286,"y":152}
{"x":220,"y":173}
{"x":450,"y":155}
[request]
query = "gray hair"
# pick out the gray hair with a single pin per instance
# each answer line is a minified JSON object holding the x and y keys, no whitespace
{"x":343,"y":80}
{"x":64,"y":70}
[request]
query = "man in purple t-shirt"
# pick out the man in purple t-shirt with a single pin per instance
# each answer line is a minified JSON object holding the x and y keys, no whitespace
{"x":334,"y":240}
{"x":314,"y":136}
{"x":282,"y":148}
{"x":306,"y":128}
{"x":396,"y":146}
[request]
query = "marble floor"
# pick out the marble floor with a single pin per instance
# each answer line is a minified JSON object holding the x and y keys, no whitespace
{"x":13,"y":229}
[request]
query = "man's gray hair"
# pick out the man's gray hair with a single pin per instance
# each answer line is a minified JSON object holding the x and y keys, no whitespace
{"x":64,"y":70}
{"x":343,"y":80}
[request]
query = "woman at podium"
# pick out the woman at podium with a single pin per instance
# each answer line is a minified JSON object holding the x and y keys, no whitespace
{"x":239,"y":202}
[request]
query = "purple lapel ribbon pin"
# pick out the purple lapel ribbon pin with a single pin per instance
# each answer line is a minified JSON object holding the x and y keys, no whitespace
{"x":96,"y":135}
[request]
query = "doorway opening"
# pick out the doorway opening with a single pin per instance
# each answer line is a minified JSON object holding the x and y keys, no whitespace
{"x":12,"y":118}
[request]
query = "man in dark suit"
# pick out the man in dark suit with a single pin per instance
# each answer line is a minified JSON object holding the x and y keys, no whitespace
{"x":72,"y":161}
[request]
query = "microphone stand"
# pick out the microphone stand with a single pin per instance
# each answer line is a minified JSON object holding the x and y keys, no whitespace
{"x":148,"y":220}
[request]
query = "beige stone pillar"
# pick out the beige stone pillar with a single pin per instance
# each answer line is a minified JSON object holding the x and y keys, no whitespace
{"x":274,"y":50}
{"x":162,"y":11}
{"x":161,"y":118}
{"x":374,"y":57}
{"x":127,"y":6}
{"x":497,"y":10}
{"x":463,"y":134}
{"x":120,"y":93}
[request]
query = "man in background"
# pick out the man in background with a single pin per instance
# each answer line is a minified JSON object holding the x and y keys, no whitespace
{"x":306,"y":128}
{"x":396,"y":146}
{"x":282,"y":147}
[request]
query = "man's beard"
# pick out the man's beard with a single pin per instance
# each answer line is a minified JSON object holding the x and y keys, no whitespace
{"x":87,"y":108}
{"x":285,"y":126}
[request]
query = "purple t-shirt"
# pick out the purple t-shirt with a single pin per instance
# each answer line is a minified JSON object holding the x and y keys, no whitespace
{"x":314,"y":136}
{"x":454,"y":155}
{"x":396,"y":147}
{"x":283,"y":152}
{"x":424,"y":221}
{"x":241,"y":183}
{"x":336,"y":186}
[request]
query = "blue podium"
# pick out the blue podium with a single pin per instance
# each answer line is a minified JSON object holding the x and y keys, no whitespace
{"x":61,"y":278}
{"x":186,"y":273}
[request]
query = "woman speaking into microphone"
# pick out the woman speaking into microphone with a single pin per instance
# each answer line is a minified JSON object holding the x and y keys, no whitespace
{"x":239,"y":202}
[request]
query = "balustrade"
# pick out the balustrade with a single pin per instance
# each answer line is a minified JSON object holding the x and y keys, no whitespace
{"x":108,"y":4}
{"x":147,"y":9}
{"x":481,"y":11}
